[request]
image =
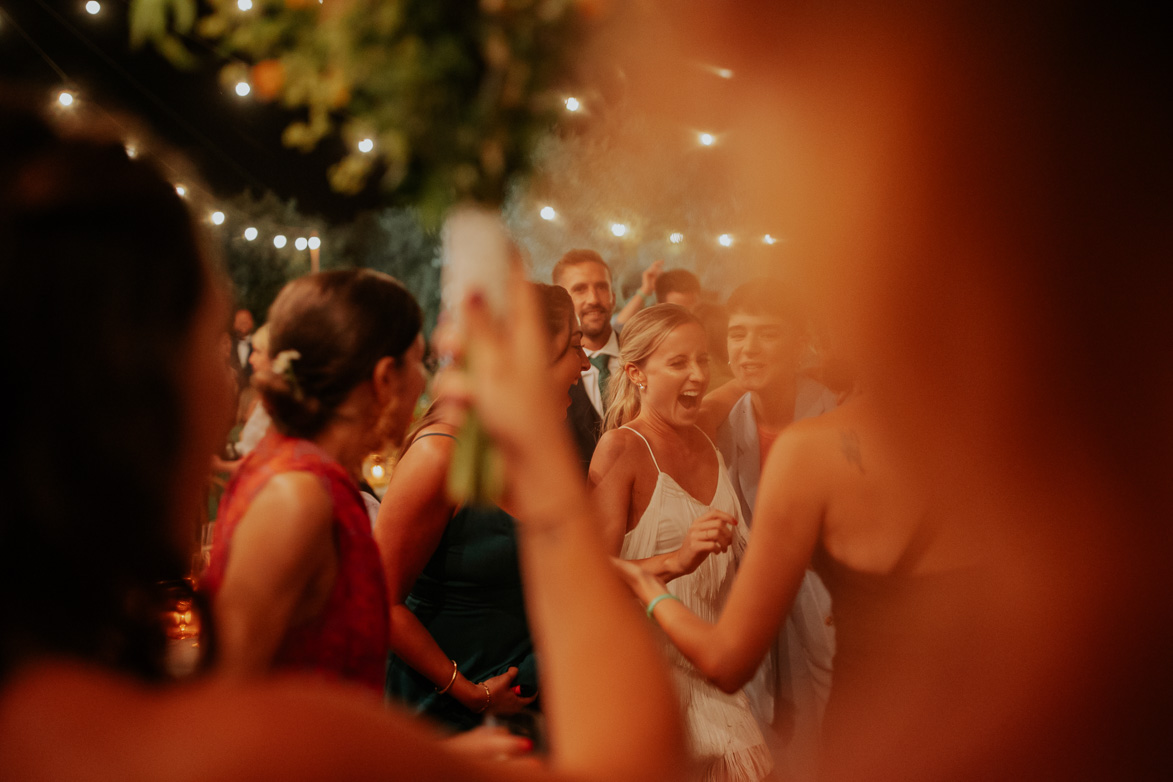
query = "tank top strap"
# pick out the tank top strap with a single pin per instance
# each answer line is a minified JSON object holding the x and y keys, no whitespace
{"x":711,"y":443}
{"x":649,"y":445}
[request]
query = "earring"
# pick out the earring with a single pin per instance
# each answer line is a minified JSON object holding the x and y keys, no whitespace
{"x":642,"y":387}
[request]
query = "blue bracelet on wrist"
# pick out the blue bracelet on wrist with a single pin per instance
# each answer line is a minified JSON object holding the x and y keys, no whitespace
{"x":657,"y":599}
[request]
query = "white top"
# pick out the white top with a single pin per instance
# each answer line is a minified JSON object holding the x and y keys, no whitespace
{"x":590,"y":378}
{"x":723,"y":735}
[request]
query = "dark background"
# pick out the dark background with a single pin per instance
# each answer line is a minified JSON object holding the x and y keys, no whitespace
{"x":234,"y":142}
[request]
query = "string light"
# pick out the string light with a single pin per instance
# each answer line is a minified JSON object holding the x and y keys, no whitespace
{"x":279,"y":241}
{"x":725,"y":240}
{"x":244,"y":5}
{"x":250,"y":234}
{"x":243,"y":88}
{"x":65,"y":98}
{"x":181,"y":190}
{"x":131,"y":151}
{"x":707,"y":139}
{"x":217,"y":217}
{"x":768,"y":239}
{"x":573,"y":104}
{"x":619,"y":229}
{"x":315,"y":243}
{"x":366,"y":145}
{"x":300,"y":243}
{"x":676,"y":237}
{"x":548,"y":213}
{"x":93,"y":7}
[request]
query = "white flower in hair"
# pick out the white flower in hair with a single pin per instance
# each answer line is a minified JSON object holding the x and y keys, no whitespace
{"x":283,"y":366}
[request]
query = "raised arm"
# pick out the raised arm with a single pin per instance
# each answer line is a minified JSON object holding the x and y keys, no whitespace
{"x":280,"y":548}
{"x":717,"y":404}
{"x":412,"y":518}
{"x":787,"y":521}
{"x":647,"y":290}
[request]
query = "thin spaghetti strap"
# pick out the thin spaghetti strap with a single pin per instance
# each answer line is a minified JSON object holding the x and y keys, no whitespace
{"x":649,"y":445}
{"x":702,"y":431}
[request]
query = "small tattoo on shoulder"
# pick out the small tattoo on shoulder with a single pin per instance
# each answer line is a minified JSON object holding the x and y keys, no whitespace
{"x":849,"y":444}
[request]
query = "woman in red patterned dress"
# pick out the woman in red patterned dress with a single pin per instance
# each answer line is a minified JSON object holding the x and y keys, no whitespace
{"x":295,"y":576}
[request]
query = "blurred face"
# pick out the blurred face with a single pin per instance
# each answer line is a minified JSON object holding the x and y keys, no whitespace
{"x":242,"y":323}
{"x":567,"y":359}
{"x":207,"y":404}
{"x":675,"y":377}
{"x":763,"y":350}
{"x":259,"y":359}
{"x":589,"y":285}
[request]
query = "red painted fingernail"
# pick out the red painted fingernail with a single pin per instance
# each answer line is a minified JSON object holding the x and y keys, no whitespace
{"x":517,"y":690}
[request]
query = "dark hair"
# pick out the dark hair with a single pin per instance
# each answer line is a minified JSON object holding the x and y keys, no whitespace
{"x":676,"y":281}
{"x":103,"y":275}
{"x":557,"y":306}
{"x":577,"y":258}
{"x":340,"y":323}
{"x":770,"y":297}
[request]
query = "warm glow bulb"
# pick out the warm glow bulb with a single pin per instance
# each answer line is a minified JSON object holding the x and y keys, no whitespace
{"x":65,"y":98}
{"x":676,"y":238}
{"x":217,"y":218}
{"x":366,"y":145}
{"x":548,"y":213}
{"x":572,"y":104}
{"x":768,"y":239}
{"x":242,"y":88}
{"x":724,"y":73}
{"x":131,"y":151}
{"x":725,"y":240}
{"x":181,"y":190}
{"x":301,"y":243}
{"x":707,"y":139}
{"x":244,"y":5}
{"x":93,"y":7}
{"x":279,"y":241}
{"x":619,"y":229}
{"x":314,"y":243}
{"x":250,"y":233}
{"x":377,"y":471}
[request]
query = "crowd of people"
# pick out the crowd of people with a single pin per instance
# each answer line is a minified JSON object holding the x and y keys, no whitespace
{"x":712,"y":558}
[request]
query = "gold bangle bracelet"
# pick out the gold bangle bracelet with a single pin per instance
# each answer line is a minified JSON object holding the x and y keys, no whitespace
{"x":488,"y":699}
{"x":448,"y":686}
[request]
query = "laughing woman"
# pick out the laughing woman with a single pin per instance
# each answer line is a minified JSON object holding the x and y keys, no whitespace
{"x":667,"y":503}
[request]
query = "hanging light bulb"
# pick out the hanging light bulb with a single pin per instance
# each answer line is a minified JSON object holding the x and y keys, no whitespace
{"x":301,"y":243}
{"x":707,"y":139}
{"x":676,"y":237}
{"x":65,"y":98}
{"x":181,"y":191}
{"x":573,"y":104}
{"x":217,"y":217}
{"x":725,"y":240}
{"x":548,"y":213}
{"x":250,"y":234}
{"x":243,"y":88}
{"x":314,"y":243}
{"x":93,"y":7}
{"x":244,"y":5}
{"x":366,"y":145}
{"x":768,"y":239}
{"x":279,"y":241}
{"x":619,"y":229}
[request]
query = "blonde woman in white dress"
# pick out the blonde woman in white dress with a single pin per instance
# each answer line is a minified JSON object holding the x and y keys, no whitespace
{"x":667,"y":503}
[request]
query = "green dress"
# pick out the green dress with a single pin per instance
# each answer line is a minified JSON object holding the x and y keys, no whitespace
{"x":469,"y":598}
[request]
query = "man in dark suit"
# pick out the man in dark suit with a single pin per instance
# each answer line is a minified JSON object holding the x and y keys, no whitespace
{"x":587,"y":277}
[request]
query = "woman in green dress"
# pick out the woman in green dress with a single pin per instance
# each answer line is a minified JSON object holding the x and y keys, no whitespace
{"x":460,"y":642}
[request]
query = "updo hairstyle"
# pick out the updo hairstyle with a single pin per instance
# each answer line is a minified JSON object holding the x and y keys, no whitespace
{"x":641,"y":336}
{"x":340,"y":323}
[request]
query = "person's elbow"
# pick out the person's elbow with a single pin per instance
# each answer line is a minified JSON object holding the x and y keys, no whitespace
{"x":720,"y":666}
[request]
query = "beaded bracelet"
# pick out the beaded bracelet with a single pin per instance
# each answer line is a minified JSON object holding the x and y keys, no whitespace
{"x":657,"y":599}
{"x":448,"y":686}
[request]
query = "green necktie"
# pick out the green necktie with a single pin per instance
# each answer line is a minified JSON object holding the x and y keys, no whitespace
{"x":602,"y":362}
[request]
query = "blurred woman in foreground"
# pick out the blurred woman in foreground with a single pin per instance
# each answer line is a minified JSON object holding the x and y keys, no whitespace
{"x":458,"y":627}
{"x":81,"y":633}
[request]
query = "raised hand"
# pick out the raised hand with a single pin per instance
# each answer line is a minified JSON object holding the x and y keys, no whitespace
{"x":710,"y":532}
